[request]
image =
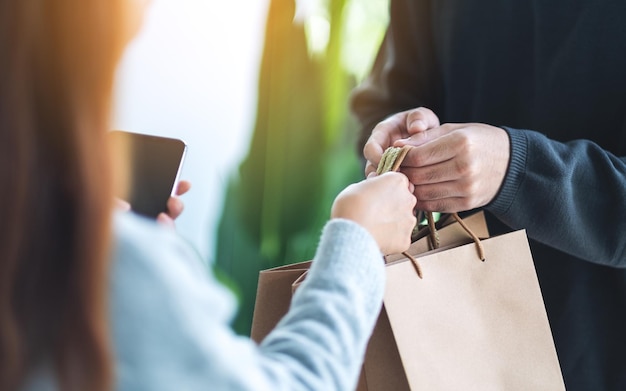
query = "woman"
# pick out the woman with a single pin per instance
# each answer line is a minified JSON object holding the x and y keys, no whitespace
{"x":94,"y":300}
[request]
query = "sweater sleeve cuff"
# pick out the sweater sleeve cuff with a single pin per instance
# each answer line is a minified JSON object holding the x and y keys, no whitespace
{"x":346,"y":249}
{"x":515,"y":173}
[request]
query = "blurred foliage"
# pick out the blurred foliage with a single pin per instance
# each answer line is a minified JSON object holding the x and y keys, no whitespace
{"x":303,"y":149}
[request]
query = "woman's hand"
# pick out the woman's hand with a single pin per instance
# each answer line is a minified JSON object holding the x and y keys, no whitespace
{"x":174,"y":205}
{"x":383,"y":205}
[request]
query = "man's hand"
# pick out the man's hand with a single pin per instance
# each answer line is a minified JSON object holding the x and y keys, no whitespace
{"x":397,"y":127}
{"x":456,"y":167}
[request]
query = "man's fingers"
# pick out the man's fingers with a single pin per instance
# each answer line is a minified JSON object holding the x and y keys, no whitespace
{"x":421,"y":138}
{"x":421,"y":119}
{"x":383,"y":135}
{"x":372,"y":151}
{"x":370,"y":169}
{"x":445,"y":171}
{"x":394,"y":131}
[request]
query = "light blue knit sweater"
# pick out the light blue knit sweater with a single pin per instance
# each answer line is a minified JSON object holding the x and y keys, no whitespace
{"x":171,"y":318}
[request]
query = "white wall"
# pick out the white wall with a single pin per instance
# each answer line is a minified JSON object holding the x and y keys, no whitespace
{"x":192,"y":73}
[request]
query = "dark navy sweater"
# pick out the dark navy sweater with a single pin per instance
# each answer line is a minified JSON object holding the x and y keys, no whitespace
{"x":553,"y":74}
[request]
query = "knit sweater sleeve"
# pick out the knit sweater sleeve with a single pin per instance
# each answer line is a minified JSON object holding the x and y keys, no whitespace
{"x":570,"y":196}
{"x":171,"y":318}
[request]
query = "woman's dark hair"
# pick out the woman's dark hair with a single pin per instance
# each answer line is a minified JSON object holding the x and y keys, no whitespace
{"x":57,"y":65}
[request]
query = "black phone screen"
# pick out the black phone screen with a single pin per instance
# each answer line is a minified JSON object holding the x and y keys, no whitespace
{"x":153,"y":166}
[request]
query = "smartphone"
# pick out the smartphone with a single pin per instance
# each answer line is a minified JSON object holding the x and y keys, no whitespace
{"x":151,"y":166}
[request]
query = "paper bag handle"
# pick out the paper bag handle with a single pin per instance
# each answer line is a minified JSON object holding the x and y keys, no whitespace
{"x":390,"y":161}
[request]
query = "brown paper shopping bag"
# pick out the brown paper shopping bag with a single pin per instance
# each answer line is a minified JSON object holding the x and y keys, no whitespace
{"x":466,"y":325}
{"x":273,"y":296}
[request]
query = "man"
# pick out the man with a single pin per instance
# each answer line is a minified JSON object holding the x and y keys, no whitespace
{"x":532,"y":96}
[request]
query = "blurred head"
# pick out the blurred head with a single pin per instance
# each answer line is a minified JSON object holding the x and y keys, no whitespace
{"x":57,"y":66}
